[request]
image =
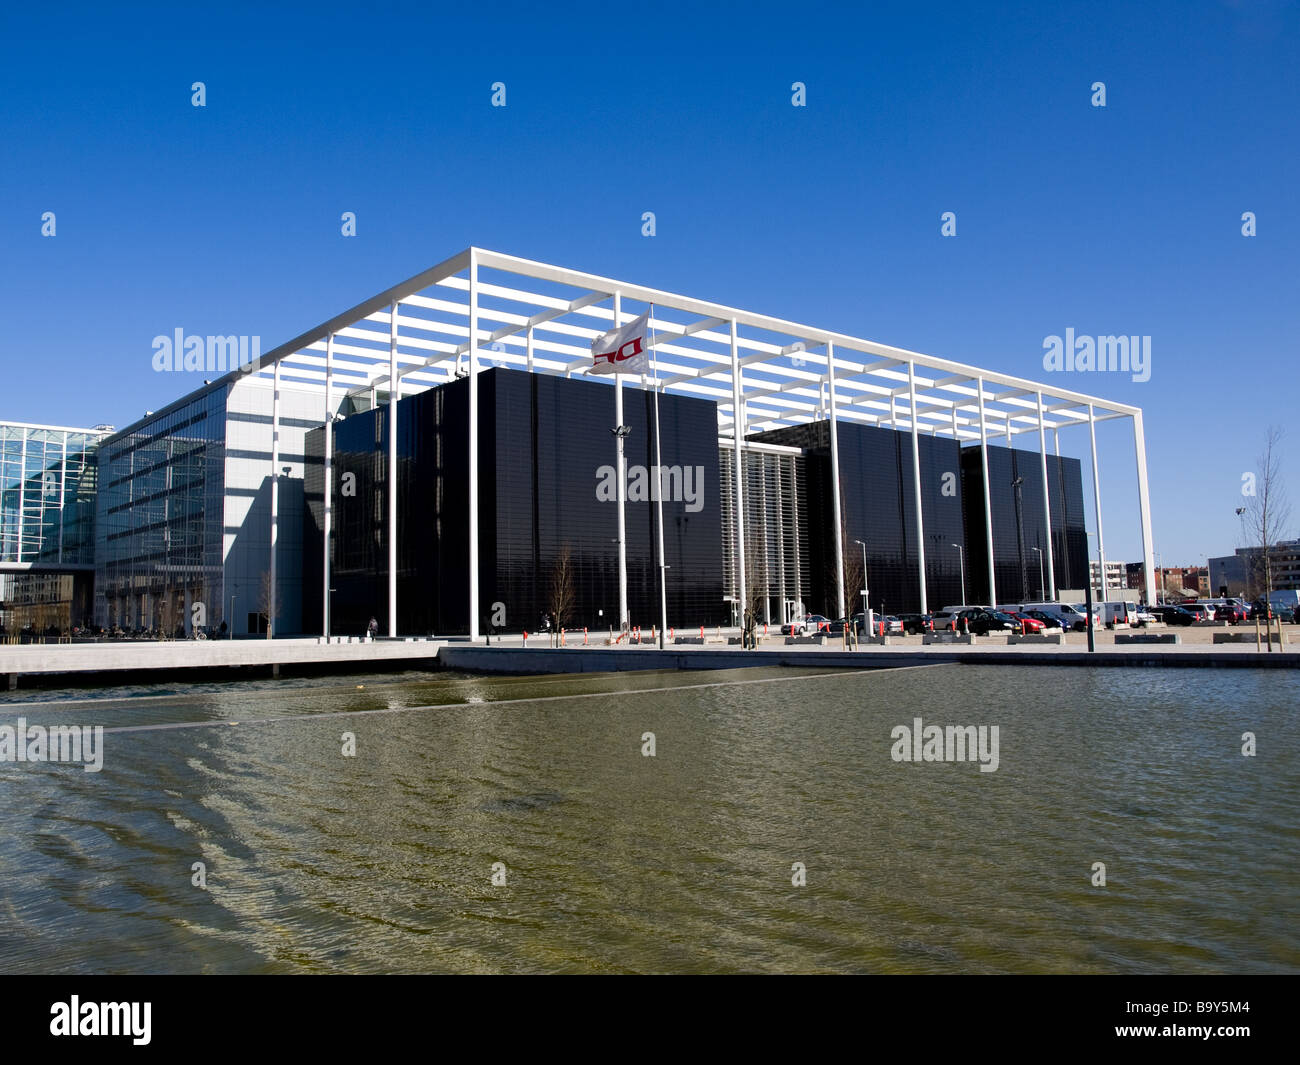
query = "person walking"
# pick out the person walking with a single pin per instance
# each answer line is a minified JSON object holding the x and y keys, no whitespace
{"x":372,"y":630}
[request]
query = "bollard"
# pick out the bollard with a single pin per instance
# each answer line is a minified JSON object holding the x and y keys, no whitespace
{"x":525,"y":637}
{"x":670,"y":632}
{"x":765,"y":630}
{"x":701,"y":633}
{"x":584,"y":636}
{"x":561,"y":637}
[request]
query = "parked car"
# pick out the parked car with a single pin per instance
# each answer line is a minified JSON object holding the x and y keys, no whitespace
{"x":944,"y":621}
{"x":983,"y":622}
{"x":893,"y":626}
{"x":1173,"y":615}
{"x":809,"y":623}
{"x":915,"y":624}
{"x":1229,"y":612}
{"x":1199,"y":611}
{"x":1145,"y":616}
{"x":1027,"y":624}
{"x":1048,"y":621}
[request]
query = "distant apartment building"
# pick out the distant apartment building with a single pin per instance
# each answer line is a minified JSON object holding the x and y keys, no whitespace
{"x":1116,"y":577}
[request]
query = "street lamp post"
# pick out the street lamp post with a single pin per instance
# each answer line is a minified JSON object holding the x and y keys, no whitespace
{"x":1042,"y":584}
{"x":1020,"y":538}
{"x":961,"y":559}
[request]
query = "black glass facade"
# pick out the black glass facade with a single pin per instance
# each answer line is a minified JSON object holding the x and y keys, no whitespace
{"x":1019,"y":525}
{"x":546,"y":482}
{"x":878,"y":493}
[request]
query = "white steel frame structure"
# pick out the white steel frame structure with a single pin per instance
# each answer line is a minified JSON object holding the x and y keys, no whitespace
{"x":482,"y":308}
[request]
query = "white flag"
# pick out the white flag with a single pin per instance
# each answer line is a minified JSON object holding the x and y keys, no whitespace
{"x":625,"y":350}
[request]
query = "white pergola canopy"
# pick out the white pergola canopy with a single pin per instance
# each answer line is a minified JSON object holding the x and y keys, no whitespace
{"x":481,"y":309}
{"x":541,"y":318}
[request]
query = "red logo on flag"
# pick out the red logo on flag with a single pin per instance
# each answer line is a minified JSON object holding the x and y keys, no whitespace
{"x":621,"y":354}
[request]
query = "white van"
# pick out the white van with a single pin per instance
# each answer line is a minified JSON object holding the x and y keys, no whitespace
{"x":1119,"y":613}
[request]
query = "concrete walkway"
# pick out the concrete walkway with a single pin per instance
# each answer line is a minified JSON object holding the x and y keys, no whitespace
{"x":102,"y":661}
{"x":129,"y":656}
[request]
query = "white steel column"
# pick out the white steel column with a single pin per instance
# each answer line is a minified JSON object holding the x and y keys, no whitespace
{"x":1050,"y":591}
{"x":620,"y":491}
{"x":1144,"y":510}
{"x":529,"y":349}
{"x":988,"y":503}
{"x":394,"y":389}
{"x":473,"y":446}
{"x":916,"y":484}
{"x":1096,"y":493}
{"x":329,"y":482}
{"x":837,"y":517}
{"x":275,"y":498}
{"x":737,"y":432}
{"x":767,"y":551}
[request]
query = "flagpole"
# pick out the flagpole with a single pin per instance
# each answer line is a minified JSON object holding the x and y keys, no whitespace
{"x":659,"y":474}
{"x":621,"y":489}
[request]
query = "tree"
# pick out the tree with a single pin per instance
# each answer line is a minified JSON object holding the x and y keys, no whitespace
{"x":1268,"y":512}
{"x":264,"y":600}
{"x":756,"y":582}
{"x":561,"y":591}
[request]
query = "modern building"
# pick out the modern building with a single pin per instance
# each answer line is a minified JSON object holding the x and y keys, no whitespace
{"x":547,"y":509}
{"x":185,"y":505}
{"x":47,"y":524}
{"x":1242,"y":572}
{"x":845,"y":447}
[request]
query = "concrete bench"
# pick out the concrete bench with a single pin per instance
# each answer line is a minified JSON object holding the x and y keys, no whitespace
{"x":1149,"y":637}
{"x":1249,"y":637}
{"x":929,"y":638}
{"x":1038,"y":638}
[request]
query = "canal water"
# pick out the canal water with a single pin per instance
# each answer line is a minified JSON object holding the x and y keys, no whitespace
{"x":384,"y":860}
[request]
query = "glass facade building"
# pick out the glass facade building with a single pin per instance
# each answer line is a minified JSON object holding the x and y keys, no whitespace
{"x":184,"y":513}
{"x":878,"y":507}
{"x":47,"y":494}
{"x":47,"y":526}
{"x":546,"y":487}
{"x":162,"y":485}
{"x":1019,"y":525}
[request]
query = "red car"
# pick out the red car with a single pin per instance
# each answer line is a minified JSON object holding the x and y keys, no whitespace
{"x":1028,"y":625}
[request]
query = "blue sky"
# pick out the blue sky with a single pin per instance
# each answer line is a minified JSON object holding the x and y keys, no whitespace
{"x":1117,"y":220}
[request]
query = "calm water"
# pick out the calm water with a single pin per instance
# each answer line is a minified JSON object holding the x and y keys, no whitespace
{"x":617,"y":862}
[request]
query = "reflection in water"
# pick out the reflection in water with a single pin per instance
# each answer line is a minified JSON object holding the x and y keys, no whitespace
{"x":615,"y":862}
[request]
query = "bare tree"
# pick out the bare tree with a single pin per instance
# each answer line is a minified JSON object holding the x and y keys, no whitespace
{"x":756,"y":584}
{"x":852,"y":570}
{"x":264,"y":600}
{"x":561,"y":590}
{"x":853,"y":575}
{"x":1268,"y":512}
